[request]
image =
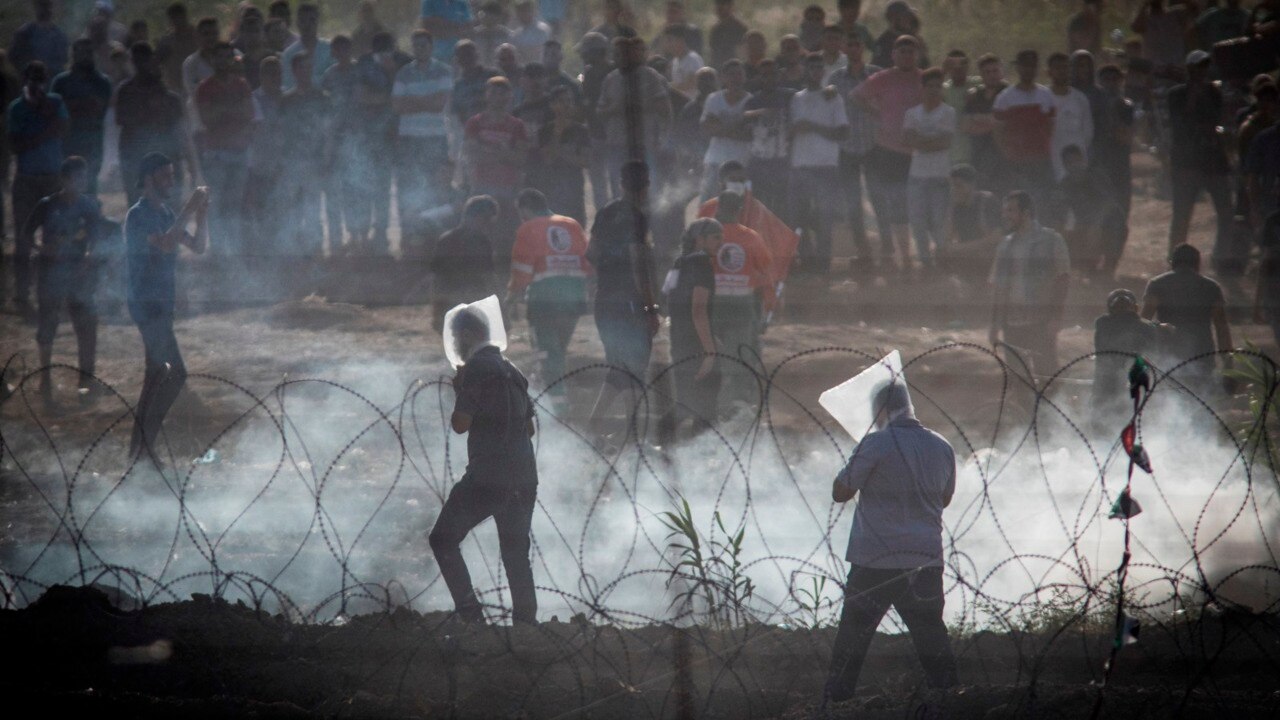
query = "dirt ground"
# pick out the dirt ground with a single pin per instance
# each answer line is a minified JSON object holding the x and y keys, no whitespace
{"x":205,"y":658}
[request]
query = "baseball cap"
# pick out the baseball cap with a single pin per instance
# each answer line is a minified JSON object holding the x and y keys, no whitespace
{"x":1197,"y":57}
{"x":151,"y":162}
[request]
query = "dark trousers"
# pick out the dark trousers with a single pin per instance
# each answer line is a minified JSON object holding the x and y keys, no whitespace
{"x":695,"y":400}
{"x":165,"y":375}
{"x":852,"y":169}
{"x":225,"y":171}
{"x":1187,"y":185}
{"x":769,"y":185}
{"x":27,"y":191}
{"x":917,"y":596}
{"x":1035,"y":176}
{"x":815,"y":194}
{"x":71,"y":284}
{"x":471,"y":503}
{"x":552,"y":324}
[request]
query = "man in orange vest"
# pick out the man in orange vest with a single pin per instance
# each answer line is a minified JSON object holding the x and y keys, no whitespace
{"x":780,"y":239}
{"x":549,"y":270}
{"x":744,"y":293}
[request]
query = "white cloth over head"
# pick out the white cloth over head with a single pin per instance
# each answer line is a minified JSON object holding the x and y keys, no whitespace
{"x":853,"y":403}
{"x":491,"y":311}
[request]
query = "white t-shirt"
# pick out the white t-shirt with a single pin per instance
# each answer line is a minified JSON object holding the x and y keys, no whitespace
{"x":529,"y":40}
{"x":1014,"y":96}
{"x":932,"y":124}
{"x":684,"y":68}
{"x":811,"y":150}
{"x":1072,"y":125}
{"x":721,"y":149}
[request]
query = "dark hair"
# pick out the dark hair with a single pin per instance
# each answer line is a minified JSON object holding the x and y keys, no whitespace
{"x":35,"y":70}
{"x":1058,"y":57}
{"x":1268,"y":90}
{"x":1022,"y":199}
{"x":176,"y":10}
{"x":72,"y":165}
{"x":832,"y":29}
{"x":814,"y":9}
{"x":1071,"y":150}
{"x":278,"y":9}
{"x":1110,"y":69}
{"x":729,"y":166}
{"x":906,"y":41}
{"x":422,"y":34}
{"x":141,"y":52}
{"x":957,"y":53}
{"x":1185,"y":257}
{"x":1027,"y":57}
{"x":933,"y":73}
{"x":479,"y":206}
{"x":987,"y":59}
{"x":533,"y":200}
{"x":299,"y":58}
{"x":732,"y":63}
{"x":340,"y":40}
{"x":698,"y":229}
{"x":206,"y":22}
{"x":964,"y":171}
{"x":729,"y":206}
{"x":634,"y":175}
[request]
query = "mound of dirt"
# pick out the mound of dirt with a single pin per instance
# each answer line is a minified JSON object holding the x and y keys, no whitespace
{"x":315,"y":313}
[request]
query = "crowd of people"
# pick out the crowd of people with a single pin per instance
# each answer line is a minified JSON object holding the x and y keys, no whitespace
{"x":485,"y":144}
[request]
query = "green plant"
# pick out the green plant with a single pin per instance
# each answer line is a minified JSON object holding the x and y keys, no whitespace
{"x":1259,"y":377}
{"x":812,"y":603}
{"x":711,"y":569}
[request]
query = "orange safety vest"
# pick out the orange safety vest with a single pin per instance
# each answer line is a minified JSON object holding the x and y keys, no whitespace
{"x":546,"y":247}
{"x":744,"y":265}
{"x":781,"y":240}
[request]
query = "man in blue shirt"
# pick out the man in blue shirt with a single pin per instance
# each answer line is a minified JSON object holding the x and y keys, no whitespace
{"x":37,"y":121}
{"x":904,"y":475}
{"x":87,"y":94}
{"x":40,"y":40}
{"x":448,"y":21}
{"x":70,"y":222}
{"x":152,"y":237}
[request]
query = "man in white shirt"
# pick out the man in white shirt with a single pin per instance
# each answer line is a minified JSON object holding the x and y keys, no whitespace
{"x":419,"y":96}
{"x":309,"y":40}
{"x":685,"y":63}
{"x":530,"y":32}
{"x":724,"y":122}
{"x":818,"y":124}
{"x":1073,"y":115}
{"x":198,"y":66}
{"x":928,"y":128}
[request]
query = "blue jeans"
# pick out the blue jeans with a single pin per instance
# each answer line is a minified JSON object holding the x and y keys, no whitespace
{"x":929,"y":209}
{"x":225,"y":171}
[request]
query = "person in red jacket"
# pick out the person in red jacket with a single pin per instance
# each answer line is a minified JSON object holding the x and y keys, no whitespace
{"x":780,"y":239}
{"x":744,"y":294}
{"x":549,"y":270}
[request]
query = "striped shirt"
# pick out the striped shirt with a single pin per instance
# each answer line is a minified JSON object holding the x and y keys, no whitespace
{"x":415,"y":80}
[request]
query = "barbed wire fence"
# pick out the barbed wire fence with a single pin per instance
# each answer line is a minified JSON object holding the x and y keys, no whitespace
{"x":310,"y":501}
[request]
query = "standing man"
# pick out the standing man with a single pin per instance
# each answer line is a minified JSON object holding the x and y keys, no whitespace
{"x":928,"y":129}
{"x":153,"y":235}
{"x":151,"y":119}
{"x":744,"y":296}
{"x":198,"y":66}
{"x":1072,"y":114}
{"x":1196,"y":308}
{"x":635,"y":108}
{"x":1113,"y":135}
{"x":1030,"y":276}
{"x":549,"y":271}
{"x":310,"y":42}
{"x":37,"y":122}
{"x":1199,"y":162}
{"x":224,"y":104}
{"x":41,"y":40}
{"x":462,"y":260}
{"x":767,"y":112}
{"x":87,"y":94}
{"x":818,"y":125}
{"x":70,"y":222}
{"x":978,"y":122}
{"x":494,"y":152}
{"x":176,"y":46}
{"x":448,"y":21}
{"x":306,"y":121}
{"x":853,"y":155}
{"x":889,"y":94}
{"x":625,"y":307}
{"x":419,"y":97}
{"x":904,"y":475}
{"x":726,"y":34}
{"x":1025,"y":115}
{"x":955,"y":92}
{"x":501,"y":481}
{"x":724,"y":122}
